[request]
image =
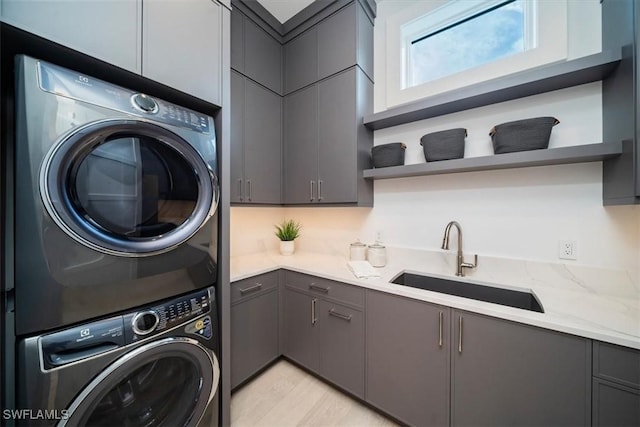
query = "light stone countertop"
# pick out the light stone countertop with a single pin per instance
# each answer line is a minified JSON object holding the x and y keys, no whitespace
{"x":589,"y":302}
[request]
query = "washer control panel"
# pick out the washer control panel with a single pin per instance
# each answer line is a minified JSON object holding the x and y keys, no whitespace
{"x":193,"y":313}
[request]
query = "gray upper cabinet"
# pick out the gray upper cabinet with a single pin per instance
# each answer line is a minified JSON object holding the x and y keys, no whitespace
{"x":326,"y":145}
{"x":237,"y":137}
{"x":256,"y":142}
{"x":336,"y":43}
{"x":84,"y":26}
{"x":345,"y":39}
{"x":134,"y":35}
{"x":255,"y":53}
{"x":301,"y":61}
{"x":237,"y":40}
{"x":620,"y":97}
{"x":300,"y":146}
{"x":504,"y":373}
{"x":190,"y":61}
{"x":407,"y":364}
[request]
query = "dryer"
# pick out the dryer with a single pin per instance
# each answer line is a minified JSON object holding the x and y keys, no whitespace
{"x":116,"y":198}
{"x":155,"y":366}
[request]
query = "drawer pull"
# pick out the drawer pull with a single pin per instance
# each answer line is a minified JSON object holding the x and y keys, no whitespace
{"x":250,"y":289}
{"x":315,"y":287}
{"x":313,"y":311}
{"x":440,"y":330}
{"x":339,"y":315}
{"x":460,"y":334}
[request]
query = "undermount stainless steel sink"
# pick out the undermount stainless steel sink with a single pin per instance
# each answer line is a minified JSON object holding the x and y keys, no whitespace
{"x":509,"y":297}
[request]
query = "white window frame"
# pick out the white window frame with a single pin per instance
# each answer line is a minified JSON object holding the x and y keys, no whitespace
{"x":547,"y":39}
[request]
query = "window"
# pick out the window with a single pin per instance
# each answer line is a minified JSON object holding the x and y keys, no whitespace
{"x":437,"y":46}
{"x":494,"y":32}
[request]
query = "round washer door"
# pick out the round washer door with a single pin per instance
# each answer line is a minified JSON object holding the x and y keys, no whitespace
{"x":169,"y":382}
{"x":127,"y":187}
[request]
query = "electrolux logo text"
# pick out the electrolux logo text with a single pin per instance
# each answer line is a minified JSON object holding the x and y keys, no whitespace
{"x":35,"y":414}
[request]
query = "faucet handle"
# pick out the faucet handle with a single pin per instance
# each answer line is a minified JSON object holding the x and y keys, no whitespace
{"x":469,"y":265}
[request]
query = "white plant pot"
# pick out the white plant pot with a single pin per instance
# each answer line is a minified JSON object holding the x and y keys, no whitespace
{"x":287,"y":247}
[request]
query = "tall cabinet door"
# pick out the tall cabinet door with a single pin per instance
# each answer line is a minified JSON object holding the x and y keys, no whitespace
{"x":300,"y":146}
{"x":337,"y":139}
{"x":105,"y":29}
{"x":509,"y":374}
{"x":300,"y":328}
{"x":342,"y":346}
{"x":187,"y":63}
{"x":237,"y":137}
{"x":407,"y":365}
{"x":262,"y":144}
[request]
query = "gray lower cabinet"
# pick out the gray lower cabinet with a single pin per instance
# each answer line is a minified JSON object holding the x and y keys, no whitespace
{"x":256,"y":142}
{"x":326,"y":147}
{"x":300,"y":340}
{"x":508,"y":374}
{"x":432,"y":366}
{"x":616,"y":385}
{"x":342,"y":345}
{"x":407,"y":366}
{"x":323,"y":329}
{"x":254,"y":325}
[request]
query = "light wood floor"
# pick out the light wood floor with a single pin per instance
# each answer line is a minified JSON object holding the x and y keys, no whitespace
{"x":285,"y":395}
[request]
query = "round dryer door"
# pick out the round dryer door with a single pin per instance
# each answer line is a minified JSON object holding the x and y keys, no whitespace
{"x":170,"y":382}
{"x":127,"y":187}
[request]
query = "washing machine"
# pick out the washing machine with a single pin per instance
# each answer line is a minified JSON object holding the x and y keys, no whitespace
{"x":115,"y":194}
{"x":155,"y":366}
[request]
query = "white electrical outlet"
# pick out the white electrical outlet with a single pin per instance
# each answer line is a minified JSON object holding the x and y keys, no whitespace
{"x":567,"y":249}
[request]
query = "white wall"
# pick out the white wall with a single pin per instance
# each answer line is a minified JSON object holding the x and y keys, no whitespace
{"x":519,"y":213}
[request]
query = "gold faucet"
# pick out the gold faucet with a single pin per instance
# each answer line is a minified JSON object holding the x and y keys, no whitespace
{"x":445,"y":245}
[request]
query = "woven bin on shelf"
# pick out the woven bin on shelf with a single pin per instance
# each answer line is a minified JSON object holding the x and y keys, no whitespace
{"x":388,"y":155}
{"x":522,"y":135}
{"x":444,"y":145}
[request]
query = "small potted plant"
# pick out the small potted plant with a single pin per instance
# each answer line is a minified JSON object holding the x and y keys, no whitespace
{"x":287,"y":232}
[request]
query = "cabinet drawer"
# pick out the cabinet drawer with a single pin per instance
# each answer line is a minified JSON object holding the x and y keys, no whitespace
{"x":615,"y":405}
{"x":243,"y":289}
{"x":327,"y":288}
{"x":616,"y":363}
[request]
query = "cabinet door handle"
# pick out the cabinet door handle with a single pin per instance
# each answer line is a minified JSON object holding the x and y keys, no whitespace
{"x":250,"y":289}
{"x":249,"y":190}
{"x":311,"y":183}
{"x":319,"y":190}
{"x":313,"y":311}
{"x":322,"y":289}
{"x":346,"y":317}
{"x":440,"y":316}
{"x":240,"y":190}
{"x":459,"y":334}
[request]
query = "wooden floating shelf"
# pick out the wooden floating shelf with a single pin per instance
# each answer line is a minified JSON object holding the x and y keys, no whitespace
{"x":519,"y":85}
{"x":553,"y":156}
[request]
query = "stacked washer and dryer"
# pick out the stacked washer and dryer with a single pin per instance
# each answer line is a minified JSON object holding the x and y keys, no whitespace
{"x":115,"y":254}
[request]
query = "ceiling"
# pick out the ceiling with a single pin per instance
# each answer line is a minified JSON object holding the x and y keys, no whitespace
{"x":282,"y":10}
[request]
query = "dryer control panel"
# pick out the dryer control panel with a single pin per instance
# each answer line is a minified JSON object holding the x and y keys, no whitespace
{"x":166,"y":316}
{"x":91,"y":339}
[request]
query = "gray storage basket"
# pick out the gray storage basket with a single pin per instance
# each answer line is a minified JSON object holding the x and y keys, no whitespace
{"x":386,"y":155}
{"x":522,"y":135}
{"x":444,"y":145}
